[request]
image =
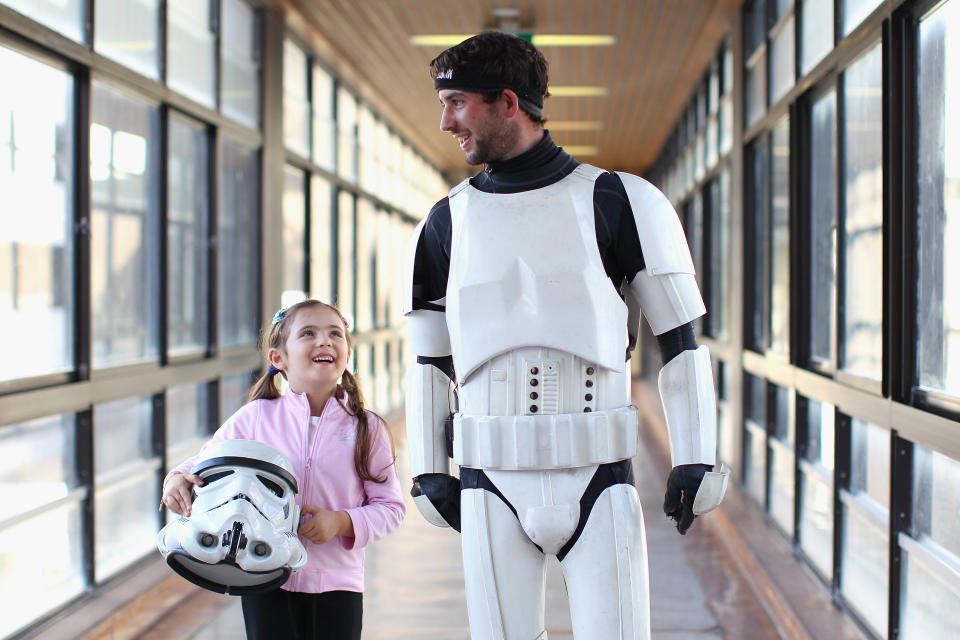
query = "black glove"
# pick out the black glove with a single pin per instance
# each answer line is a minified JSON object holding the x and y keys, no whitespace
{"x":443,"y":491}
{"x":682,"y":488}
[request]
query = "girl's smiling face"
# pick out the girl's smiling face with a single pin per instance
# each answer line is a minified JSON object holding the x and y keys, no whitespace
{"x":315,"y":353}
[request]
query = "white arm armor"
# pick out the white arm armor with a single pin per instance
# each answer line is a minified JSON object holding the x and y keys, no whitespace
{"x":428,"y":406}
{"x":689,"y":404}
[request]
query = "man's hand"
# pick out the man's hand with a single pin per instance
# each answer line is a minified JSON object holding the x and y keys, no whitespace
{"x":437,"y":496}
{"x":682,"y":486}
{"x":323,"y":525}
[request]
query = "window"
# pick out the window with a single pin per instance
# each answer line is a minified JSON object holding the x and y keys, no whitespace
{"x":782,"y":46}
{"x":321,"y":240}
{"x":755,"y":56}
{"x":862,"y":249}
{"x":324,"y":131}
{"x":191,"y":62}
{"x":238,"y":269}
{"x":36,"y":219}
{"x":756,"y":207}
{"x":233,"y":394}
{"x":854,"y":11}
{"x":823,"y":228}
{"x":865,"y":559}
{"x":346,"y":135}
{"x":294,"y":221}
{"x":128,"y":31}
{"x":779,"y":286}
{"x":938,"y":188}
{"x":366,"y":264}
{"x":65,"y":16}
{"x":782,"y":460}
{"x":932,"y":588}
{"x":345,"y":256}
{"x":755,"y":437}
{"x":816,"y":32}
{"x":188,"y":420}
{"x":40,"y":508}
{"x":240,"y":63}
{"x":188,"y":218}
{"x":816,"y":489}
{"x":296,"y":100}
{"x":124,"y":265}
{"x":126,"y":484}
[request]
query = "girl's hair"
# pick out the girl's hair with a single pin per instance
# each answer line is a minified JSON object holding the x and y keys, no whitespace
{"x":266,"y":386}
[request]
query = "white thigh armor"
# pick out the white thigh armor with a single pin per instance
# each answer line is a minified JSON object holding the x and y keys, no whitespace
{"x":241,"y":536}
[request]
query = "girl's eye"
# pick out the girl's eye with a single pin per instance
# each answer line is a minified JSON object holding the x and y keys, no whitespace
{"x":307,"y":332}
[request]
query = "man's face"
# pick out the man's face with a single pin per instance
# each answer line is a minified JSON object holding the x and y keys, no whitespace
{"x":483,"y":131}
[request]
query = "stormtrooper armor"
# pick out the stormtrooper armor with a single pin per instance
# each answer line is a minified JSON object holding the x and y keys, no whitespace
{"x":543,"y":428}
{"x":241,"y":536}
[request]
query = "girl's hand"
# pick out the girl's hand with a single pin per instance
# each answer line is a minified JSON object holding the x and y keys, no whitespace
{"x":323,"y":525}
{"x":177,"y":492}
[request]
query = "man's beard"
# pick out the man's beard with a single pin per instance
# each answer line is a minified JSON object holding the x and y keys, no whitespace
{"x":493,"y":146}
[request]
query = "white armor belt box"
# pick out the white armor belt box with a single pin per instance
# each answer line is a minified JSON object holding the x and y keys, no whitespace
{"x":545,"y":441}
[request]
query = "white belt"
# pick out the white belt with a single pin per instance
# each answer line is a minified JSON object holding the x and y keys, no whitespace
{"x":545,"y":441}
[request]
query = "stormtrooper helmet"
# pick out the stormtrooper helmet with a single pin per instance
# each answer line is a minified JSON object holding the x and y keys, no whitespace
{"x":241,"y":536}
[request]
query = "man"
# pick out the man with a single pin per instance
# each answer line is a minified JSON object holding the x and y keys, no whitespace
{"x":525,"y":287}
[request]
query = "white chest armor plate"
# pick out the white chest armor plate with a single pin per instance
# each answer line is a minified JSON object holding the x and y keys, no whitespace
{"x":525,"y":271}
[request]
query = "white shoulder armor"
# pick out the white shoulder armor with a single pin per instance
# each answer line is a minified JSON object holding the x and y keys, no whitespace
{"x":662,"y":239}
{"x":666,"y":289}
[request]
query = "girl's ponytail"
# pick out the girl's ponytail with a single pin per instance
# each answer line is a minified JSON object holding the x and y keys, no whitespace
{"x":361,"y":451}
{"x":265,"y":386}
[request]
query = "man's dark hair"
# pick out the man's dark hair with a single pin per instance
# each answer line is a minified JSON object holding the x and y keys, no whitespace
{"x":494,"y":54}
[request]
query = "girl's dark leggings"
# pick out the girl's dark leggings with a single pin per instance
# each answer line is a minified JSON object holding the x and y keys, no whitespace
{"x":280,"y":614}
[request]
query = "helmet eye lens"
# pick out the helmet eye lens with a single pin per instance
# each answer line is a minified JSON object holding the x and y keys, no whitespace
{"x":275,"y":488}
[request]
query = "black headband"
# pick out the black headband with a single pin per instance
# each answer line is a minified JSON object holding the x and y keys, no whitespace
{"x":465,"y":79}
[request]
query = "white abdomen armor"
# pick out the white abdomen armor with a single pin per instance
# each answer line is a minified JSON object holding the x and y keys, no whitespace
{"x":537,"y":331}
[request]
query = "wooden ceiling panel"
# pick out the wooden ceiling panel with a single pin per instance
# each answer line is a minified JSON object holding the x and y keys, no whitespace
{"x":662,"y":50}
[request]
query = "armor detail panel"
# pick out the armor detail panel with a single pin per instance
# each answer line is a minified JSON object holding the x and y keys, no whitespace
{"x":525,"y":271}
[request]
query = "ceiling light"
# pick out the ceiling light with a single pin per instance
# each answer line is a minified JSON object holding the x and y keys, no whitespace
{"x":538,"y":39}
{"x":581,"y":149}
{"x":574,"y":125}
{"x":577,"y":92}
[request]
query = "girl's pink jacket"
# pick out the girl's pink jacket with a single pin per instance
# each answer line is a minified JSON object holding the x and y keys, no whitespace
{"x":326,"y":478}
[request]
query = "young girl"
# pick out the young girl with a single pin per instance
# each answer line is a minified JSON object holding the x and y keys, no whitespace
{"x":343,"y":458}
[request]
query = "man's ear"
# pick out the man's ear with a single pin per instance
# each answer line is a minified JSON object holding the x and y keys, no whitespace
{"x":511,"y":102}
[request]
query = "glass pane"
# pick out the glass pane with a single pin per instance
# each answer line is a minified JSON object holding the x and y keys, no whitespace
{"x":188,"y":420}
{"x":854,"y":11}
{"x":122,"y":436}
{"x":755,"y":462}
{"x":756,"y":205}
{"x":188,"y":203}
{"x":366,"y":264}
{"x":816,"y":32}
{"x":870,"y":463}
{"x":936,"y":502}
{"x":864,"y":568}
{"x":32,"y":584}
{"x":931,"y":596}
{"x":126,"y":523}
{"x":128,"y":31}
{"x":124,"y":267}
{"x":125,"y":519}
{"x":296,"y":104}
{"x":65,"y":16}
{"x":780,"y":238}
{"x":346,"y":135}
{"x":191,"y":68}
{"x":233,"y":394}
{"x":782,"y":485}
{"x":239,"y":63}
{"x":782,"y":61}
{"x":321,"y":239}
{"x":39,"y":464}
{"x":938,"y":355}
{"x":754,"y":26}
{"x":755,"y":91}
{"x":863,"y":221}
{"x":36,"y":219}
{"x":294,"y":221}
{"x":816,"y":519}
{"x":726,"y":432}
{"x":823,"y":227}
{"x":821,"y":419}
{"x":345,"y":262}
{"x":385,"y":256}
{"x":238,"y":244}
{"x":323,"y":123}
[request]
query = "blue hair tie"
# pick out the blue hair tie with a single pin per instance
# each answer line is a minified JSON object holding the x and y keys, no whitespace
{"x":272,"y":370}
{"x":279,"y":315}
